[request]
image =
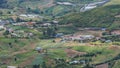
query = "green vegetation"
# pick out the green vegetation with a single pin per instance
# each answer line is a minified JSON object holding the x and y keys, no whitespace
{"x":39,"y":46}
{"x":117,"y":64}
{"x":57,"y":10}
{"x":113,"y":2}
{"x":77,"y":1}
{"x":99,"y":17}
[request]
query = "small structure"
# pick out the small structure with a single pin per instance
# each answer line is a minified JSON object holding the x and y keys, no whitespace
{"x":39,"y":49}
{"x":10,"y":30}
{"x":2,"y":27}
{"x":59,"y":35}
{"x":3,"y":22}
{"x":46,"y":24}
{"x":64,"y":3}
{"x":74,"y":62}
{"x":56,"y":22}
{"x":29,"y":15}
{"x":11,"y":67}
{"x":108,"y":41}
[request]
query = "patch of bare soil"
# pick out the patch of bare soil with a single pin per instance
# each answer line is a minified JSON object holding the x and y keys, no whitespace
{"x":102,"y":66}
{"x":6,"y":61}
{"x":90,"y":32}
{"x":51,"y":3}
{"x":72,"y":53}
{"x":26,"y":62}
{"x":114,"y":47}
{"x":19,"y":52}
{"x":25,"y":49}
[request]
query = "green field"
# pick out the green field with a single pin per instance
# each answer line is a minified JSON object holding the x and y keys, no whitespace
{"x":113,"y":2}
{"x":54,"y":50}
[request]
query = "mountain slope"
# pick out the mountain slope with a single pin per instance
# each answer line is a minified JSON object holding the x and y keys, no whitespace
{"x":100,"y":17}
{"x":113,"y":2}
{"x":25,"y":3}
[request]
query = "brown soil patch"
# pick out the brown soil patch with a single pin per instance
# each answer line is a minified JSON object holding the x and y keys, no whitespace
{"x":102,"y":66}
{"x":27,"y":61}
{"x":114,"y":47}
{"x":51,"y":3}
{"x":25,"y":49}
{"x":6,"y":61}
{"x":72,"y":53}
{"x":90,"y":32}
{"x":19,"y":52}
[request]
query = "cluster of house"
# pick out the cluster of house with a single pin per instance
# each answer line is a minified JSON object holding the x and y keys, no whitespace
{"x":77,"y":37}
{"x":88,"y":38}
{"x":21,"y":34}
{"x":18,"y":33}
{"x":23,"y":23}
{"x":64,"y":3}
{"x":43,"y":24}
{"x":47,"y":24}
{"x":2,"y":24}
{"x":30,"y":16}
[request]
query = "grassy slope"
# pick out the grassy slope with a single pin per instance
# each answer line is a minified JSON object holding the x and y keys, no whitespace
{"x":113,"y":2}
{"x":31,"y":4}
{"x":100,"y":17}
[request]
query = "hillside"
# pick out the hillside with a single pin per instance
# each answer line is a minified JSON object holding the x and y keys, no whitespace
{"x":113,"y":2}
{"x":59,"y":34}
{"x":104,"y":16}
{"x":25,"y":3}
{"x":44,"y":7}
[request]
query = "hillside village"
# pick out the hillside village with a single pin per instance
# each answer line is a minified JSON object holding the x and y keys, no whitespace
{"x":45,"y":30}
{"x":4,"y":26}
{"x":38,"y":40}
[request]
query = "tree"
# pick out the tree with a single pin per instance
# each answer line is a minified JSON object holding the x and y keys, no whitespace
{"x":36,"y":11}
{"x":29,"y":10}
{"x":1,"y":12}
{"x":6,"y":32}
{"x":10,"y":44}
{"x":36,"y":66}
{"x":8,"y":12}
{"x":44,"y":65}
{"x":18,"y":19}
{"x":51,"y":32}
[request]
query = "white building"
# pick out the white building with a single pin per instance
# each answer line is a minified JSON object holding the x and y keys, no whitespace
{"x":78,"y":37}
{"x":11,"y":67}
{"x":29,"y":15}
{"x":2,"y":27}
{"x":64,"y":3}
